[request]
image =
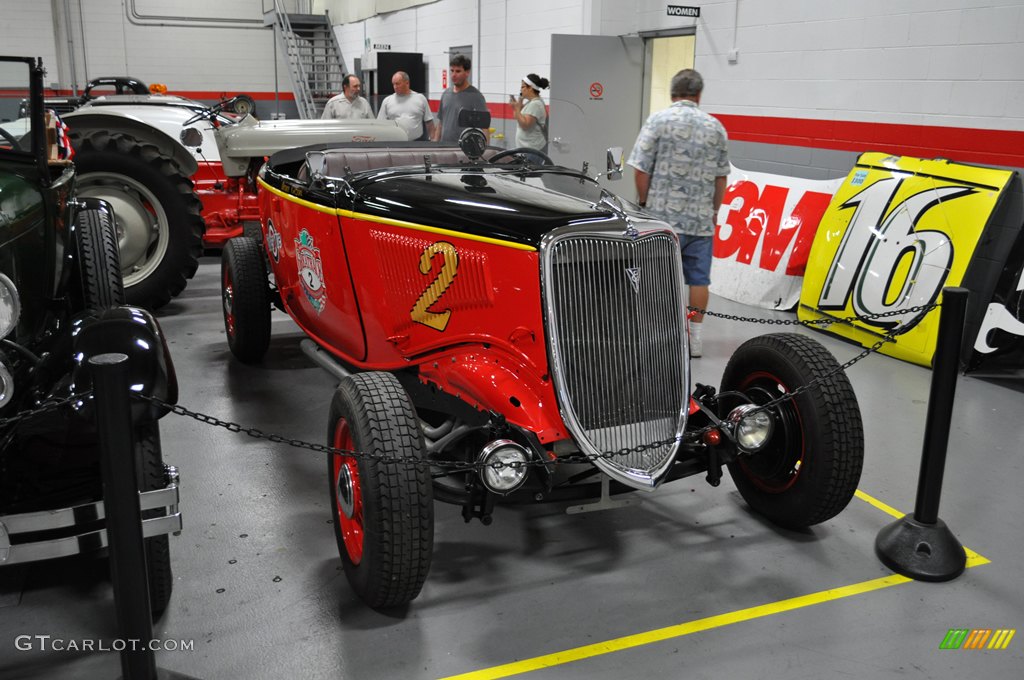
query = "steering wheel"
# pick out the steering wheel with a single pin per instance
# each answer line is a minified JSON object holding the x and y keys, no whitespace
{"x":211,"y":111}
{"x":8,"y":137}
{"x":522,"y":152}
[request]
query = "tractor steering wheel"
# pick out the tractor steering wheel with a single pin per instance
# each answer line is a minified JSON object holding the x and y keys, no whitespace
{"x":522,"y":152}
{"x":210,"y":112}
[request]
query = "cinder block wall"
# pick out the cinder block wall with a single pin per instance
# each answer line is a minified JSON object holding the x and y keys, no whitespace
{"x":197,"y":48}
{"x":815,"y":82}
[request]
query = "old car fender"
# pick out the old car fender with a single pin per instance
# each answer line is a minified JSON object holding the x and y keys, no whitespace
{"x":134,"y":332}
{"x":491,"y":381}
{"x":120,"y":121}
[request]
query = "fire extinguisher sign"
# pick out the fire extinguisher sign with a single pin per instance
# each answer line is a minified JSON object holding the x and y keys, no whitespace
{"x":444,"y":79}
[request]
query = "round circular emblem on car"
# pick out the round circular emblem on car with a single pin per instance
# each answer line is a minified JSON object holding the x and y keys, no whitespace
{"x":311,"y":271}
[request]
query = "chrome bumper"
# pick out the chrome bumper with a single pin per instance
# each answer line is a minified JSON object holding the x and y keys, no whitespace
{"x":48,"y":520}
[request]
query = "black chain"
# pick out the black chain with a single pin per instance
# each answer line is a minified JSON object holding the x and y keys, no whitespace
{"x":45,"y":407}
{"x":826,"y":322}
{"x":452,"y":466}
{"x":461,"y":466}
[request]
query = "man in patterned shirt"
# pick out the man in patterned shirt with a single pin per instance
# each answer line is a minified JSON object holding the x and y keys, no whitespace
{"x":681,"y":159}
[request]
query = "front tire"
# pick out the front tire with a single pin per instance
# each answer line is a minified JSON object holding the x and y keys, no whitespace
{"x":245,"y":299}
{"x":383,"y":511}
{"x":98,"y":263}
{"x":159,"y":228}
{"x":809,"y":470}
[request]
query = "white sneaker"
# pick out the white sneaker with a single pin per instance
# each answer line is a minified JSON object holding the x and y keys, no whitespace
{"x":695,"y":342}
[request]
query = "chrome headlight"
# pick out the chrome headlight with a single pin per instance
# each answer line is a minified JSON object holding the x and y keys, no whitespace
{"x":6,"y":387}
{"x":510,"y":471}
{"x":751,"y":427}
{"x":10,"y":306}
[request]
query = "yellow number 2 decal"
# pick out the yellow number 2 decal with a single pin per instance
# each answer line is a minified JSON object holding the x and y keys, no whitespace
{"x":420,"y":311}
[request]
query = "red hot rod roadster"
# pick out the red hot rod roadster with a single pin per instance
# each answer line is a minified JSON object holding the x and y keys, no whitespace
{"x":507,"y":330}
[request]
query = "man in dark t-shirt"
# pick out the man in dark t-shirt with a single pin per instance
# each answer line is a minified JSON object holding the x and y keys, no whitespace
{"x":460,"y":96}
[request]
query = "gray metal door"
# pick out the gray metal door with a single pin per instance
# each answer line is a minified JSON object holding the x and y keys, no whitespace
{"x":596,"y":99}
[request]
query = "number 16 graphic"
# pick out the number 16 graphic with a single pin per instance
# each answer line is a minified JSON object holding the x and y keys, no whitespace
{"x":884,"y":262}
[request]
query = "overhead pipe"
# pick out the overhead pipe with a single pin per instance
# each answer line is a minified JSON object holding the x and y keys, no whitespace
{"x":137,"y":19}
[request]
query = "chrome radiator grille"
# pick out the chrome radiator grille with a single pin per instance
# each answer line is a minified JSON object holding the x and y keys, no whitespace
{"x":615,"y":321}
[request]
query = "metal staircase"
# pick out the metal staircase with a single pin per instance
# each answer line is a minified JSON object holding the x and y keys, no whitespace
{"x":314,"y":57}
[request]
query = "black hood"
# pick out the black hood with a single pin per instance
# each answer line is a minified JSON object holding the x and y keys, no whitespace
{"x":498,"y":203}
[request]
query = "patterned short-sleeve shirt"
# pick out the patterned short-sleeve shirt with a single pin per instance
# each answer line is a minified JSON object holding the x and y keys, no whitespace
{"x":683,"y":149}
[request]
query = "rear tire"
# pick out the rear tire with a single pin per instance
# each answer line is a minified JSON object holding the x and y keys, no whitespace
{"x":245,"y":299}
{"x":384,"y":513}
{"x":98,"y":263}
{"x":809,"y":470}
{"x":159,"y":228}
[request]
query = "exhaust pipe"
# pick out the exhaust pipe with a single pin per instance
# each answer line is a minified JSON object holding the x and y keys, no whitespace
{"x":324,"y":360}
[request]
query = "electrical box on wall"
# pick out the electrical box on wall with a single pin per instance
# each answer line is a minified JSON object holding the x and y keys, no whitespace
{"x":410,"y":62}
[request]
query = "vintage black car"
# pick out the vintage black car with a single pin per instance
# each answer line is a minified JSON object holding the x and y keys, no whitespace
{"x":61,"y":303}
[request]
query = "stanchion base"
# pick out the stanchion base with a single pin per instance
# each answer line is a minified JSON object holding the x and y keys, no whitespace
{"x":923,"y":552}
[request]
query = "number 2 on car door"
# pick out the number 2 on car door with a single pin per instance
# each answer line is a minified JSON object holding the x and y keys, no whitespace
{"x":421,"y":310}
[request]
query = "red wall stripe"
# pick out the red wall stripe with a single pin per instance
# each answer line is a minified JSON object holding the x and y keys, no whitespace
{"x":258,"y":96}
{"x":970,"y":145}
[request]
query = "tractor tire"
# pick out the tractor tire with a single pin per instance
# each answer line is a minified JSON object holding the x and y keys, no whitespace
{"x":383,"y":511}
{"x":150,"y":465}
{"x":97,"y":262}
{"x":245,"y":299}
{"x":159,"y":228}
{"x":809,"y":469}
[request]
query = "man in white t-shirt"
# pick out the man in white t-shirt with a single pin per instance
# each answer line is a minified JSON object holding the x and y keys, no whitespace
{"x":409,"y":108}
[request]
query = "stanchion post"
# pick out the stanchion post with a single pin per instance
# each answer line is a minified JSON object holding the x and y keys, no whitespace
{"x":124,"y":519}
{"x":922,"y":546}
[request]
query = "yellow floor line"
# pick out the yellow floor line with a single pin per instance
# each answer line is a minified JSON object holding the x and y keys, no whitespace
{"x":888,"y":509}
{"x":681,"y":629}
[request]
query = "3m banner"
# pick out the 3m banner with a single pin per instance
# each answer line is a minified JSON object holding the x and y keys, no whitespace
{"x":900,"y":229}
{"x":765,"y":229}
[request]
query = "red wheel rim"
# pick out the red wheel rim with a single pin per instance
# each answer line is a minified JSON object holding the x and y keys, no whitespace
{"x":348,"y":494}
{"x":227,"y":301}
{"x":778,"y":467}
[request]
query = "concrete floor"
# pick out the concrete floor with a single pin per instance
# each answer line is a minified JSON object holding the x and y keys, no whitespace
{"x":259,"y":587}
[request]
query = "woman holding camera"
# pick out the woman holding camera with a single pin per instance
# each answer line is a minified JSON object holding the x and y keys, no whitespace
{"x":530,"y":113}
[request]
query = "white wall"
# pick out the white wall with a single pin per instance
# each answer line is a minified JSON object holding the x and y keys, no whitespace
{"x":920,"y":62}
{"x":510,"y":38}
{"x":27,"y":31}
{"x":190,"y":45}
{"x":936,"y":62}
{"x":954,"y":63}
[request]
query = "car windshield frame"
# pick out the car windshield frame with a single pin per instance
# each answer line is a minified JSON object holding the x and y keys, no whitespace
{"x":36,"y":131}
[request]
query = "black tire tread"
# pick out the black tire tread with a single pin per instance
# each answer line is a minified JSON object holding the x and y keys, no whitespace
{"x":98,"y":261}
{"x":243,"y":259}
{"x":399,"y":525}
{"x":100,"y":149}
{"x":841,"y":448}
{"x":149,"y":458}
